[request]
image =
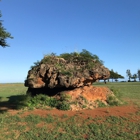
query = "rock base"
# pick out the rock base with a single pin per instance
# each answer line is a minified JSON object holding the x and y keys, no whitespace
{"x":87,"y":97}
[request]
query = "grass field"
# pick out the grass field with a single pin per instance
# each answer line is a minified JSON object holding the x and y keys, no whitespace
{"x":50,"y":127}
{"x":18,"y":126}
{"x":7,"y":90}
{"x":129,"y":91}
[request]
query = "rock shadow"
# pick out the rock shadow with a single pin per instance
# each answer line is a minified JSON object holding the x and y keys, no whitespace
{"x":46,"y":91}
{"x":13,"y":102}
{"x":17,"y":102}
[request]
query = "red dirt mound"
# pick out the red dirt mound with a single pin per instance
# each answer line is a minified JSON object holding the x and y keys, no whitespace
{"x":91,"y":93}
{"x":89,"y":97}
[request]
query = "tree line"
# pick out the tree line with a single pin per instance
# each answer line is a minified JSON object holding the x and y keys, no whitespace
{"x":131,"y":77}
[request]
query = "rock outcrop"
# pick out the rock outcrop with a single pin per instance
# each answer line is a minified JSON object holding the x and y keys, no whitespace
{"x":68,"y":78}
{"x":58,"y":72}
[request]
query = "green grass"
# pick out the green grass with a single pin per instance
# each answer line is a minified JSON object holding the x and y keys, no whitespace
{"x":127,"y":90}
{"x":49,"y":127}
{"x":11,"y":92}
{"x":7,"y":90}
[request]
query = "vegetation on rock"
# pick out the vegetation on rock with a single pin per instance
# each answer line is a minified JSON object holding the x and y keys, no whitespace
{"x":85,"y":59}
{"x":68,"y":70}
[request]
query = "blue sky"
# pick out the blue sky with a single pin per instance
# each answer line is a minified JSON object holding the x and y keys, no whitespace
{"x":107,"y":28}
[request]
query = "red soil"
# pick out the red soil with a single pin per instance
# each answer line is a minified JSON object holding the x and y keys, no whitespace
{"x":120,"y":111}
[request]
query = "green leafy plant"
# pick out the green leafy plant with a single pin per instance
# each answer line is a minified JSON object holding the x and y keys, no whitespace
{"x":37,"y":101}
{"x":3,"y":34}
{"x":63,"y":105}
{"x":64,"y":97}
{"x":84,"y":57}
{"x":84,"y":106}
{"x":37,"y":63}
{"x":113,"y":101}
{"x":64,"y":72}
{"x":100,"y":103}
{"x":41,"y":100}
{"x":84,"y":99}
{"x":64,"y":102}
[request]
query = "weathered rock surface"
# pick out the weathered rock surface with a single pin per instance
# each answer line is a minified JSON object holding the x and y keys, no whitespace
{"x":55,"y":72}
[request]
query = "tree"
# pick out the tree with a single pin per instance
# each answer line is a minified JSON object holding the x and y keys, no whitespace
{"x":134,"y":77}
{"x":3,"y":34}
{"x":112,"y":74}
{"x":139,"y":74}
{"x":115,"y":75}
{"x":128,"y":74}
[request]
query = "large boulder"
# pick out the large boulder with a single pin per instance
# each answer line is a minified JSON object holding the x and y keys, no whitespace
{"x":66,"y":71}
